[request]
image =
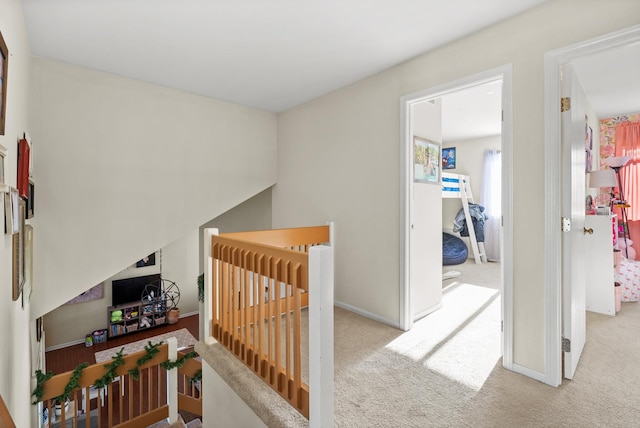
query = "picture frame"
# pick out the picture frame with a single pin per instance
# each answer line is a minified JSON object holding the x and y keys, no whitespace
{"x":4,"y":68}
{"x":18,"y":253}
{"x":449,"y":158}
{"x":426,"y":161}
{"x":94,"y":293}
{"x":144,"y":269}
{"x":11,"y":206}
{"x":3,"y":153}
{"x":150,"y":260}
{"x":31,"y":199}
{"x":28,"y":265}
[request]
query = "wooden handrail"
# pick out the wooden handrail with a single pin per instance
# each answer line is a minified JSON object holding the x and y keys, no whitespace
{"x":146,"y":412}
{"x":189,"y":394}
{"x":285,"y":238}
{"x":260,"y":284}
{"x":6,"y":421}
{"x":54,"y":387}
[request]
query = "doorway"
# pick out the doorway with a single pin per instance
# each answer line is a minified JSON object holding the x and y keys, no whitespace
{"x":412,"y":220}
{"x":558,"y":297}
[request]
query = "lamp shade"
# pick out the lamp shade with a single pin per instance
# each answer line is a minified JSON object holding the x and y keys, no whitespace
{"x":617,"y":161}
{"x":602,"y":178}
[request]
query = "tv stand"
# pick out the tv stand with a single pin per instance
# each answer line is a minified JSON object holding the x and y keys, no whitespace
{"x":135,"y":316}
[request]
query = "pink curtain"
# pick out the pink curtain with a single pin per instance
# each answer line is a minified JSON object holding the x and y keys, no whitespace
{"x":628,"y":144}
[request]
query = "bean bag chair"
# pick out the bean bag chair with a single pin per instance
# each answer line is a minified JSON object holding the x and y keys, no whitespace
{"x":454,"y":250}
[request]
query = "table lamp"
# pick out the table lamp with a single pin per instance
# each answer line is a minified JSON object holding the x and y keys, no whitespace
{"x":600,"y":179}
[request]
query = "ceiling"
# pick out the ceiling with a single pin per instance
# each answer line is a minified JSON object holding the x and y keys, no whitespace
{"x":610,"y":79}
{"x":269,"y":54}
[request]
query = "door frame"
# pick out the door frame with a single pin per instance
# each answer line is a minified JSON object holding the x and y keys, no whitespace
{"x":503,"y":73}
{"x":553,"y":267}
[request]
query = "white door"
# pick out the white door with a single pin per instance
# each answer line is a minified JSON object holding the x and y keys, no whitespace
{"x":426,"y":218}
{"x":573,"y":240}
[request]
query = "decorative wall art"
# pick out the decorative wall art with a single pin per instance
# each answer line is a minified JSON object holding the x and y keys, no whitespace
{"x":24,"y":160}
{"x":150,"y":260}
{"x":4,"y":67}
{"x":3,"y":153}
{"x":18,"y":253}
{"x":31,"y":199}
{"x":12,"y":222}
{"x":449,"y":158}
{"x":588,"y":145}
{"x":28,"y":264}
{"x":426,"y":160}
{"x":94,"y":293}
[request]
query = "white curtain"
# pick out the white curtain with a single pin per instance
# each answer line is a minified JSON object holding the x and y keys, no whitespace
{"x":491,"y":199}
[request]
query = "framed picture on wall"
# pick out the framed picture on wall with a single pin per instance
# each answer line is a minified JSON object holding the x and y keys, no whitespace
{"x":426,"y":161}
{"x":18,"y":253}
{"x":449,"y":158}
{"x":4,"y":67}
{"x":28,"y":264}
{"x":3,"y":153}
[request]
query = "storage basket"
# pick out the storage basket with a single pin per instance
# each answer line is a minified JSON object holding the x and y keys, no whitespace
{"x":99,"y":336}
{"x":132,"y":327}
{"x":160,"y":320}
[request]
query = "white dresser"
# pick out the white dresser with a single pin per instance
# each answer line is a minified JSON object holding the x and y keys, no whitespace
{"x":599,"y":263}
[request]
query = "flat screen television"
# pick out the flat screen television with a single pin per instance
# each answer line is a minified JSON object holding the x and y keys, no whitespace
{"x":130,"y":289}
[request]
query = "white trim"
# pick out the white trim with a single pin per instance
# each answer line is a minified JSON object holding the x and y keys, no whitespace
{"x":208,"y":274}
{"x":552,"y":246}
{"x":367,"y":314}
{"x":528,"y":372}
{"x":321,"y":325}
{"x":503,"y":73}
{"x":427,"y":311}
{"x":64,"y":345}
{"x":506,"y":248}
{"x":188,"y":314}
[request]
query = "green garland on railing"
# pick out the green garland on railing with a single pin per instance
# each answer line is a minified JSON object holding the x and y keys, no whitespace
{"x":152,"y":351}
{"x":196,"y":377}
{"x":170,"y":365}
{"x":111,"y":374}
{"x":41,"y":378}
{"x":73,"y":382}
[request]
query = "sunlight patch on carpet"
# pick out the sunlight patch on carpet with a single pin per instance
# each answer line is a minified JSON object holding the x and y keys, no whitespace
{"x":461,"y":340}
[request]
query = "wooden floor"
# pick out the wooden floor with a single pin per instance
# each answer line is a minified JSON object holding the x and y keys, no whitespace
{"x":67,"y":359}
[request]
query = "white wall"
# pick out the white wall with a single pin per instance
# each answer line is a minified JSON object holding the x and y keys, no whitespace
{"x":123,"y":168}
{"x":15,"y":370}
{"x":469,"y":161}
{"x":224,"y":406}
{"x":69,"y":324}
{"x":338,"y":158}
{"x":252,"y":214}
{"x":426,"y":219}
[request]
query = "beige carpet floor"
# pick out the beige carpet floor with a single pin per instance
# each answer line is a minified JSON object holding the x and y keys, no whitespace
{"x":426,"y":377}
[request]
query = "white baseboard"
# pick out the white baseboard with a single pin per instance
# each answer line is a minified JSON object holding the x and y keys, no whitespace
{"x":64,"y":345}
{"x":541,"y":377}
{"x":188,"y":314}
{"x":367,"y":314}
{"x":420,"y":315}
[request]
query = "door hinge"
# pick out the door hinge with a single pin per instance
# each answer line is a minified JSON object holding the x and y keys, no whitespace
{"x":566,"y":224}
{"x":565,"y":104}
{"x":566,"y":345}
{"x":502,"y":326}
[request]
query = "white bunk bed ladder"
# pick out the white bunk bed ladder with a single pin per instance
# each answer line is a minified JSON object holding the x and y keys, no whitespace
{"x":479,"y":253}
